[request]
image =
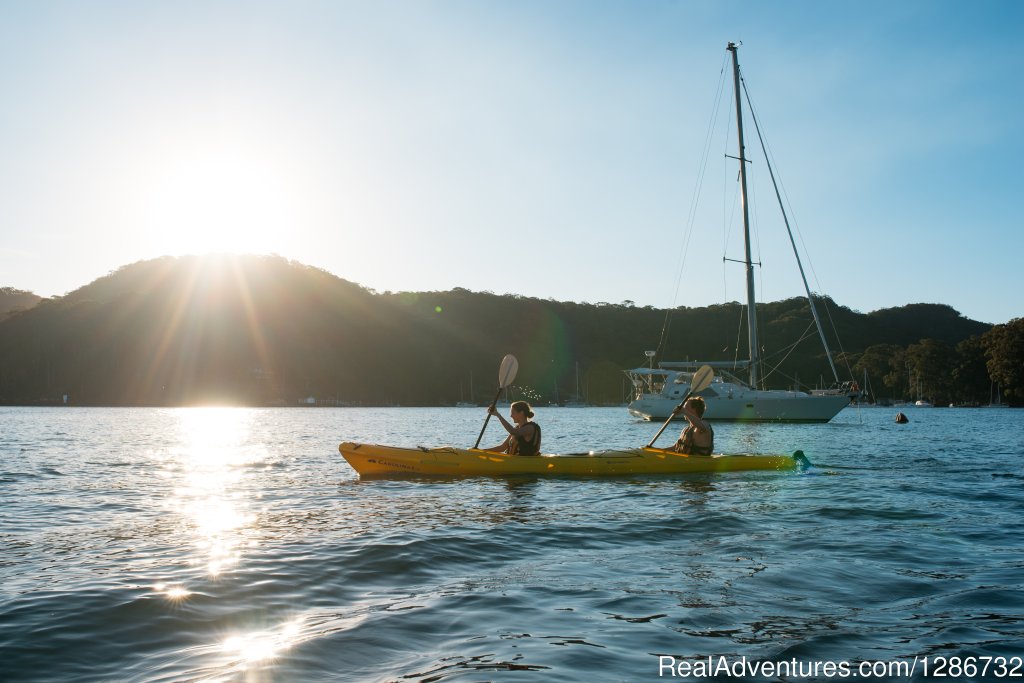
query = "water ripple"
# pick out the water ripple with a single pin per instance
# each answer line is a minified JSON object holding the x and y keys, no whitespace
{"x":167,"y":545}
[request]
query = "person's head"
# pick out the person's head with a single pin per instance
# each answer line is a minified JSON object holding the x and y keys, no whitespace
{"x":523,"y":408}
{"x":697,"y":405}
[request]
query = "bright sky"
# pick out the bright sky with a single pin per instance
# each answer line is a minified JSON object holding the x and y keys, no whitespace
{"x":540,"y":147}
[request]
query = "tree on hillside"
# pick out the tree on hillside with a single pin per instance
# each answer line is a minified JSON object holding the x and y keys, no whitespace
{"x":896,"y":380}
{"x":930,"y":362}
{"x":877,"y":362}
{"x":13,"y":300}
{"x":1004,"y":351}
{"x":970,"y":374}
{"x":908,"y":324}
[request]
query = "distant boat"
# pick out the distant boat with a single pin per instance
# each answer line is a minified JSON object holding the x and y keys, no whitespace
{"x":998,"y":402}
{"x":865,"y":394}
{"x":469,"y":403}
{"x":576,"y":401}
{"x":657,"y":391}
{"x":920,"y":402}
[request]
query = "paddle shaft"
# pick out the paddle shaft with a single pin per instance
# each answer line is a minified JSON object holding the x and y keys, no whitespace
{"x":487,"y":419}
{"x":687,"y":398}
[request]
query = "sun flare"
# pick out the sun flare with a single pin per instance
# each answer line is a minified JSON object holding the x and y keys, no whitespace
{"x":220,"y":198}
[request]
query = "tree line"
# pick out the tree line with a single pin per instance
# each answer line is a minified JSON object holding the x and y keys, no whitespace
{"x":262,"y":330}
{"x":979,"y":370}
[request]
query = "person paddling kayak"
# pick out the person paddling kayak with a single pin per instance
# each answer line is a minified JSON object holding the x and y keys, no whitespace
{"x":697,"y":438}
{"x":524,"y":436}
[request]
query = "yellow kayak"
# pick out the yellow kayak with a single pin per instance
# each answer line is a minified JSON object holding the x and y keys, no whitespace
{"x":371,"y":459}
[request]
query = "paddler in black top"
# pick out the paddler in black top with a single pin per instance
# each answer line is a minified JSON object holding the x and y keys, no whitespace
{"x":523,"y":437}
{"x":697,"y":438}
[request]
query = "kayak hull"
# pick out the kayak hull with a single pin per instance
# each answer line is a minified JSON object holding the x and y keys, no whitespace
{"x":372,"y":459}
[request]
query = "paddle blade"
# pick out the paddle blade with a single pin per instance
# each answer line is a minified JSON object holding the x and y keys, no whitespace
{"x":507,"y":371}
{"x":701,"y":379}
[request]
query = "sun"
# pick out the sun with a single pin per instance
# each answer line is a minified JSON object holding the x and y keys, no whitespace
{"x":220,"y":198}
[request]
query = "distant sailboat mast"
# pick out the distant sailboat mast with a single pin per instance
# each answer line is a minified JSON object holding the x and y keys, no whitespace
{"x":748,"y":262}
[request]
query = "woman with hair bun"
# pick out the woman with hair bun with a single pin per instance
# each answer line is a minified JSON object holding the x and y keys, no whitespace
{"x":524,"y":436}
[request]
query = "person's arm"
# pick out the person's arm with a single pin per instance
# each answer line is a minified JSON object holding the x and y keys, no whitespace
{"x":512,"y":429}
{"x":502,"y":447}
{"x":698,"y":423}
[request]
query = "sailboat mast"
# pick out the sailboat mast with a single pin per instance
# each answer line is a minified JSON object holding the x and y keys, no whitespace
{"x":751,"y":306}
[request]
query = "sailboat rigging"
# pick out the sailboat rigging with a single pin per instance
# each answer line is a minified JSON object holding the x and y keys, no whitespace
{"x":658,"y":390}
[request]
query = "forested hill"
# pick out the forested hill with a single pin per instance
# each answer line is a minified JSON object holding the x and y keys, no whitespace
{"x":14,"y":300}
{"x":267,"y":331}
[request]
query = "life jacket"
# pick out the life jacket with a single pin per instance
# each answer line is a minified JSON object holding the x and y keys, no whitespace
{"x":520,"y":446}
{"x":686,"y":445}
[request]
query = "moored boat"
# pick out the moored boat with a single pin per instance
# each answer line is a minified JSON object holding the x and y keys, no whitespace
{"x":373,"y":459}
{"x":656,"y":390}
{"x":659,"y":390}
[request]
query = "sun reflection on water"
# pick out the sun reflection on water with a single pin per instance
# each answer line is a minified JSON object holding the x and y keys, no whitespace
{"x":256,"y":650}
{"x":173,"y":593}
{"x":261,"y":646}
{"x":209,"y":469}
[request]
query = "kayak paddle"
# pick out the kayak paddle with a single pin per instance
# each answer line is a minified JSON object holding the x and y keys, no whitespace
{"x":506,"y":373}
{"x":701,"y":381}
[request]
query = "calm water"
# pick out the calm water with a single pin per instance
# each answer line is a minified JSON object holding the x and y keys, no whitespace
{"x":237,"y":545}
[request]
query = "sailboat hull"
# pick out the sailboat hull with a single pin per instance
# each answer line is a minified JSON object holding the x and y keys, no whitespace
{"x":786,"y":406}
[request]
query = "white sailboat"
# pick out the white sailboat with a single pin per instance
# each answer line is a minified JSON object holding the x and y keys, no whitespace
{"x":659,"y":390}
{"x":469,"y":403}
{"x":577,"y":401}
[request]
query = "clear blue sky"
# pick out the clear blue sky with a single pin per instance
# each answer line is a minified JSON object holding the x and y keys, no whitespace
{"x":543,"y":148}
